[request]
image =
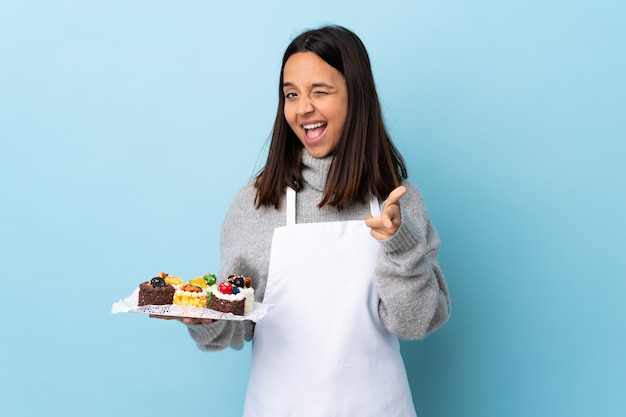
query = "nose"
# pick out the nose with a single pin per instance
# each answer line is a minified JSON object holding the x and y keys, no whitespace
{"x":305,"y":106}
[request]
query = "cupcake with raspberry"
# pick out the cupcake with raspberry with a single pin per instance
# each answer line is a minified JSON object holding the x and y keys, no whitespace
{"x":230,"y":296}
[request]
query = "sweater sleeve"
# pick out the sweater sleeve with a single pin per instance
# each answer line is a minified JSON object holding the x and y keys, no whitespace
{"x":218,"y":335}
{"x":414,"y":298}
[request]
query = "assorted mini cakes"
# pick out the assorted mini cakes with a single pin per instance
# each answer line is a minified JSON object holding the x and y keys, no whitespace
{"x":234,"y":295}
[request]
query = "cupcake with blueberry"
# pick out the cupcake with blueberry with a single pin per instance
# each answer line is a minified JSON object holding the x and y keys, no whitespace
{"x":155,"y":292}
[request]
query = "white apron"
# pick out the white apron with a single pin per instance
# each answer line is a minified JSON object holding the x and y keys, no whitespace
{"x":322,"y":351}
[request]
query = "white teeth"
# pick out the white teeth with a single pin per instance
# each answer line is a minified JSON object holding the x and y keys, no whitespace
{"x":314,"y":125}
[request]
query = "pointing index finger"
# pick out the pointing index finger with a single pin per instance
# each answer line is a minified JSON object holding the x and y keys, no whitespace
{"x":395,"y":195}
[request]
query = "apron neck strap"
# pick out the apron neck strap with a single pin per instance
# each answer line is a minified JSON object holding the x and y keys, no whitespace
{"x":291,"y":207}
{"x":374,"y":207}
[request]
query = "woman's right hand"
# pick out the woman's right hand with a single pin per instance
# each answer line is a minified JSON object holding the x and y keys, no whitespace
{"x":387,"y":224}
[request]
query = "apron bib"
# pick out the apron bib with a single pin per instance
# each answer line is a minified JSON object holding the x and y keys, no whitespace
{"x":323,"y":351}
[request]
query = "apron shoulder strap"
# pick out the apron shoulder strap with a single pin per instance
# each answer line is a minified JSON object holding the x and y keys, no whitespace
{"x":291,"y":206}
{"x":374,"y":207}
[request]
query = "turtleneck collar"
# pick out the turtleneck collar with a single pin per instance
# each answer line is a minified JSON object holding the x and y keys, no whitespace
{"x":315,"y":170}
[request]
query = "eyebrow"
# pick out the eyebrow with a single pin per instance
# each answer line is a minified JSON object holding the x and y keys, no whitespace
{"x":314,"y":85}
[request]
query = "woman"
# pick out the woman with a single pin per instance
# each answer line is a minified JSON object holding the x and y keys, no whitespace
{"x":348,"y":275}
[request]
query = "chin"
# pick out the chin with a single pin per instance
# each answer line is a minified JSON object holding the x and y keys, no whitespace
{"x":319,"y":153}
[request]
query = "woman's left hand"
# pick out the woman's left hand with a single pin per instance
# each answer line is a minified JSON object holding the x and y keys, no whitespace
{"x":387,"y":224}
{"x":186,"y":320}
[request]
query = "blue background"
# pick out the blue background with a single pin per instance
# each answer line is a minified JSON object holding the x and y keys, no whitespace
{"x":126,"y":127}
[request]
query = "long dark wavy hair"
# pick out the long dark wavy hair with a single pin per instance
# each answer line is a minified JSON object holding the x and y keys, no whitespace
{"x":365,"y":161}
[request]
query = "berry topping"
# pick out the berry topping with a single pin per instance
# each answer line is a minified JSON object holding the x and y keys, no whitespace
{"x":210,"y":278}
{"x":239,"y":281}
{"x":225,"y":287}
{"x":235,"y":289}
{"x":157,"y":282}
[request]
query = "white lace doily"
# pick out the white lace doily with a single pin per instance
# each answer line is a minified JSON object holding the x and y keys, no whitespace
{"x":129,"y":305}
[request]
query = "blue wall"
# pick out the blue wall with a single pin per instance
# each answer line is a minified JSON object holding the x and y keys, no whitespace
{"x":127,"y":126}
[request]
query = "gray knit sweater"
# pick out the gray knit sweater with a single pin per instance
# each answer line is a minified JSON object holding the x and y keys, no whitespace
{"x":413,"y":294}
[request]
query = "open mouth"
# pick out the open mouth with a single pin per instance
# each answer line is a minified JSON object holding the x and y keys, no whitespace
{"x":314,"y":130}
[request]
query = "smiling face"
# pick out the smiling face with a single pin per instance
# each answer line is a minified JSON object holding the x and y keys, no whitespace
{"x":316,"y":102}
